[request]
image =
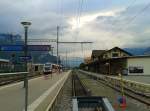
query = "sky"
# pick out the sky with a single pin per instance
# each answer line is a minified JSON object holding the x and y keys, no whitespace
{"x":106,"y":23}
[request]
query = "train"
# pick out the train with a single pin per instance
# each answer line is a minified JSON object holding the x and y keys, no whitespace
{"x":50,"y":68}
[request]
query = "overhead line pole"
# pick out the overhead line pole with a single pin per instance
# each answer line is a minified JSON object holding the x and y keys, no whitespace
{"x":57,"y":41}
{"x":66,"y":59}
{"x":41,"y":40}
{"x":75,"y":42}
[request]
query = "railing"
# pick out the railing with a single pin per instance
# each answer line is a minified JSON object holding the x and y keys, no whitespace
{"x":142,"y":88}
{"x":132,"y":85}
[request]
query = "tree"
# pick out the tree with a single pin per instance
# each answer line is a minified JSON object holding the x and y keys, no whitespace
{"x":82,"y":66}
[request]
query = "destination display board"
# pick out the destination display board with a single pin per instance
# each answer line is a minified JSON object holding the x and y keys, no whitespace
{"x":22,"y":47}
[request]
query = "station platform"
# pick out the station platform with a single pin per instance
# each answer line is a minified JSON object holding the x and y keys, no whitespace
{"x":12,"y":97}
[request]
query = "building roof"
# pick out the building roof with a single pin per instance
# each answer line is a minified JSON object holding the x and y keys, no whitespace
{"x":4,"y":60}
{"x":97,"y":53}
{"x":128,"y":57}
{"x":139,"y":56}
{"x":120,"y":50}
{"x":121,"y":58}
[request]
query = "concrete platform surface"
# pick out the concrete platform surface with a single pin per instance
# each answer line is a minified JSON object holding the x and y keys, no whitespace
{"x":12,"y":96}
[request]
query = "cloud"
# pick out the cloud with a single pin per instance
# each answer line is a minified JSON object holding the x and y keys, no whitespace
{"x":89,"y":18}
{"x":106,"y":23}
{"x":118,"y":30}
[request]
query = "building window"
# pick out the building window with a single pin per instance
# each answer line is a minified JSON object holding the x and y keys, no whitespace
{"x":105,"y":56}
{"x":36,"y":68}
{"x":115,"y":50}
{"x":115,"y":55}
{"x":137,"y":69}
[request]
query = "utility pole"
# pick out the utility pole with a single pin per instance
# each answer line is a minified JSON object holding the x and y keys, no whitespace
{"x":57,"y":41}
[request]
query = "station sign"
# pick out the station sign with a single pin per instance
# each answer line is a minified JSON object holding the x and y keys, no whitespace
{"x":22,"y":47}
{"x":25,"y":58}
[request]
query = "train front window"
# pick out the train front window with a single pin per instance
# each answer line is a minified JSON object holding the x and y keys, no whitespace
{"x":47,"y":68}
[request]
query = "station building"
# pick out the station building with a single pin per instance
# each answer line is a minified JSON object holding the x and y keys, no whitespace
{"x":131,"y":65}
{"x":101,"y":60}
{"x":116,"y":60}
{"x":138,"y":65}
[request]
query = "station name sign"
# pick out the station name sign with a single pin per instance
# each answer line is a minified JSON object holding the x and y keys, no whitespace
{"x":25,"y":58}
{"x":22,"y":47}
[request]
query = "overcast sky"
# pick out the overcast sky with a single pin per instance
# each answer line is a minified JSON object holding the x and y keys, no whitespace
{"x":108,"y":23}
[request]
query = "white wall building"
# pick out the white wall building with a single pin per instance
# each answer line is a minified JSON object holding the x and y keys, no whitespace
{"x":138,"y":65}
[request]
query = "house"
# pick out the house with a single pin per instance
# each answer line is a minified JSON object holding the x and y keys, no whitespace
{"x":103,"y":60}
{"x":131,"y":65}
{"x":106,"y":54}
{"x":97,"y":54}
{"x":116,"y":60}
{"x":115,"y":52}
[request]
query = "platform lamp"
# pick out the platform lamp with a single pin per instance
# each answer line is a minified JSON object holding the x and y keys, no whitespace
{"x":26,"y":26}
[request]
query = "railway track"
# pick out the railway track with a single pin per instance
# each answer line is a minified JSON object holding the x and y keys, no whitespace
{"x":78,"y":89}
{"x":84,"y":101}
{"x":73,"y":88}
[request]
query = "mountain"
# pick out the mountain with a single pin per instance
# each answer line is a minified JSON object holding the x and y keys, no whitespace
{"x":147,"y":51}
{"x":137,"y":51}
{"x":73,"y":62}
